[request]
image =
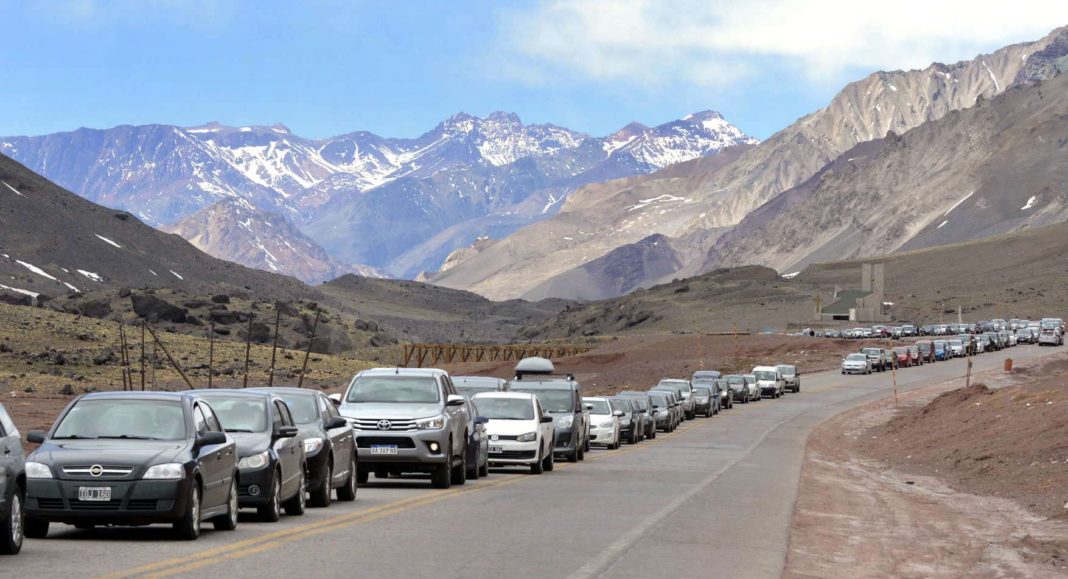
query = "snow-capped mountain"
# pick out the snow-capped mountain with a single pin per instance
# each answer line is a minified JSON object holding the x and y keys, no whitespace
{"x":468,"y":176}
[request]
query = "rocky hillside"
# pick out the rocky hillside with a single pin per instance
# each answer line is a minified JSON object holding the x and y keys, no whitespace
{"x":235,"y":230}
{"x":469,"y":176}
{"x":996,"y":167}
{"x":695,"y":209}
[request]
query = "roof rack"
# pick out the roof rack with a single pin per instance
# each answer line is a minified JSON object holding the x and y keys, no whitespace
{"x":537,"y":366}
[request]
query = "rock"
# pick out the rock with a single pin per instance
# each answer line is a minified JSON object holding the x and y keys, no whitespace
{"x":366,"y":326}
{"x":222,"y":331}
{"x":220,"y":299}
{"x":287,"y":308}
{"x":31,"y":390}
{"x":124,"y":292}
{"x":196,"y":304}
{"x":99,"y":308}
{"x":155,"y":309}
{"x":4,"y":348}
{"x":67,"y":390}
{"x":105,"y":357}
{"x":60,"y":359}
{"x":261,"y":333}
{"x":227,"y":317}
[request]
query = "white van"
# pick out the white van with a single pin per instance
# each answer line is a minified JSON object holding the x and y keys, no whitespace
{"x":769,"y":381}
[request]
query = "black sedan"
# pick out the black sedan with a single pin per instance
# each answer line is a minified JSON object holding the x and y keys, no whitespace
{"x":133,"y":458}
{"x":12,"y":486}
{"x":329,"y":447}
{"x":270,"y":456}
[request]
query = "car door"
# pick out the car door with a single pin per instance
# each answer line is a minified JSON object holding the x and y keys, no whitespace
{"x":341,"y":440}
{"x":457,"y":416}
{"x":215,"y":470}
{"x":289,"y":449}
{"x":10,"y":458}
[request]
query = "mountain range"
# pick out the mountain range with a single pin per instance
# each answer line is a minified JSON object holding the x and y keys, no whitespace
{"x":346,"y":195}
{"x":694,"y":204}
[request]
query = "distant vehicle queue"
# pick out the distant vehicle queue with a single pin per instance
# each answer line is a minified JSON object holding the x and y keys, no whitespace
{"x":186,"y":458}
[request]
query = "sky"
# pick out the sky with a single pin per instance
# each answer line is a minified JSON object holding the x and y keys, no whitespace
{"x":399,"y":67}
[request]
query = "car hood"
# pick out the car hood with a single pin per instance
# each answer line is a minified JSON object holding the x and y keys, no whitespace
{"x":109,"y":452}
{"x":766,"y":383}
{"x":390,"y":411}
{"x":250,"y":443}
{"x":510,"y":427}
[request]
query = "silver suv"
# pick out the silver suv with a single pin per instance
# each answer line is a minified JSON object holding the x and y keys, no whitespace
{"x":408,"y":420}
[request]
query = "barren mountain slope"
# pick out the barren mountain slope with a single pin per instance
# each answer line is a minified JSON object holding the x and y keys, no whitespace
{"x":703,"y":205}
{"x":994,"y":168}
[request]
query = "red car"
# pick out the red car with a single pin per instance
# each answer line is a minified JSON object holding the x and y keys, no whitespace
{"x":903,"y":357}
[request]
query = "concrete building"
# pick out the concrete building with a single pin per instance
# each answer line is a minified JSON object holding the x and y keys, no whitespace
{"x":863,"y":305}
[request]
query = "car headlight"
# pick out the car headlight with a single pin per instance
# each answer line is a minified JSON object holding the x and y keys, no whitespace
{"x":38,"y":470}
{"x":606,"y":425}
{"x":432,"y":423}
{"x":312,"y":445}
{"x":565,"y":422}
{"x":168,"y":471}
{"x":528,"y":437}
{"x":255,"y":461}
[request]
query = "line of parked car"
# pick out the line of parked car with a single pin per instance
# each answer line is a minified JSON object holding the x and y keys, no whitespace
{"x":1048,"y":331}
{"x":188,"y":458}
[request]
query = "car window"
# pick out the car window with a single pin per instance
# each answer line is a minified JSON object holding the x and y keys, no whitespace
{"x":302,"y":408}
{"x":599,"y":406}
{"x":331,"y":410}
{"x":199,"y":420}
{"x":283,"y":410}
{"x":213,"y":421}
{"x":239,"y":413}
{"x":276,"y":418}
{"x":6,"y":424}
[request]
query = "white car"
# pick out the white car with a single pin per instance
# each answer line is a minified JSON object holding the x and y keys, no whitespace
{"x":769,"y":381}
{"x":519,"y":431}
{"x":604,"y":423}
{"x":856,"y":364}
{"x":751,"y":384}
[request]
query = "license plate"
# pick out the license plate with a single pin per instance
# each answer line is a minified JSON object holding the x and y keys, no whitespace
{"x":95,"y":494}
{"x":496,"y":449}
{"x":383,"y":450}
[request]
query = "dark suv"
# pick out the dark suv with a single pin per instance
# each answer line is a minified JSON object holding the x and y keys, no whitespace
{"x":329,"y":444}
{"x":270,"y":456}
{"x":12,"y":486}
{"x":561,"y":397}
{"x":133,"y":458}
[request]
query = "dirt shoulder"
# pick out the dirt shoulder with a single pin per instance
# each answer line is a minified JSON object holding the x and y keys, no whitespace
{"x":950,"y":485}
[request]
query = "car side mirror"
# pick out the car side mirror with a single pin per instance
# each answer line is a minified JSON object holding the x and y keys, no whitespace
{"x":336,"y":422}
{"x":455,"y":400}
{"x":335,"y":398}
{"x":618,"y":413}
{"x":546,"y":419}
{"x":211,"y":438}
{"x":589,"y":407}
{"x":286,"y":432}
{"x":484,"y":420}
{"x":36,"y":436}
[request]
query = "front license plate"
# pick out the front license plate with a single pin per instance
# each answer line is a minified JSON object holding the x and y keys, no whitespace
{"x":94,"y":494}
{"x":383,"y":450}
{"x":496,"y":449}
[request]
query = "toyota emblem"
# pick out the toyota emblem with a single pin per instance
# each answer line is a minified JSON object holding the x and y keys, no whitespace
{"x":96,"y":470}
{"x":384,"y":425}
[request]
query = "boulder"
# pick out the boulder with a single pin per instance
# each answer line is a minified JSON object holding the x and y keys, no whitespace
{"x":155,"y":309}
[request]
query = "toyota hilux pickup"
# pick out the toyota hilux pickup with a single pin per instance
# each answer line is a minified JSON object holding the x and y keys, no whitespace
{"x":408,"y":420}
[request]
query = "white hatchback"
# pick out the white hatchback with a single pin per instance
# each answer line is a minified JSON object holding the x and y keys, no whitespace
{"x":604,"y":423}
{"x":519,"y":431}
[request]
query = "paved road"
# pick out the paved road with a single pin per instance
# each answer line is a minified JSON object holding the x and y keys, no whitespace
{"x":714,"y":498}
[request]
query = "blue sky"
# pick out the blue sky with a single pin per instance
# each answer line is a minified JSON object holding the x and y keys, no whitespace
{"x":325,"y":67}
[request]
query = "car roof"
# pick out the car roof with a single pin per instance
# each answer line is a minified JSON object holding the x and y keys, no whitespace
{"x":513,"y":395}
{"x":242,"y":393}
{"x":153,"y":395}
{"x":285,"y":390}
{"x":464,"y":379}
{"x":596,"y":397}
{"x":428,"y":372}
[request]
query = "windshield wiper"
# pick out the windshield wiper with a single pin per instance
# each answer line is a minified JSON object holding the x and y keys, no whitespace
{"x":129,"y":437}
{"x":73,"y":437}
{"x":239,"y":430}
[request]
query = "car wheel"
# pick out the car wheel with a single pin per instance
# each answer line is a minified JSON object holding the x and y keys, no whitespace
{"x":362,"y":476}
{"x":538,"y":466}
{"x":299,"y":503}
{"x":320,"y":497}
{"x":582,"y":451}
{"x":13,"y":526}
{"x":472,"y":468}
{"x":442,"y":476}
{"x":228,"y":522}
{"x":574,"y":456}
{"x":459,"y":472}
{"x":483,"y":471}
{"x":272,"y":511}
{"x":547,"y":463}
{"x":188,"y":529}
{"x":347,"y":491}
{"x":35,"y":528}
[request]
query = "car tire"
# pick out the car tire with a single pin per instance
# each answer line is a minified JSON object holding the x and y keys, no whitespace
{"x":296,"y":505}
{"x":582,"y":450}
{"x":442,"y":475}
{"x":228,"y":521}
{"x":472,"y":469}
{"x":459,"y":471}
{"x":35,"y":528}
{"x":188,"y":528}
{"x":272,"y":511}
{"x":362,"y":476}
{"x":347,"y":491}
{"x":320,"y":497}
{"x":574,"y":455}
{"x":483,"y":471}
{"x":538,"y":466}
{"x":547,"y":463}
{"x":13,"y":526}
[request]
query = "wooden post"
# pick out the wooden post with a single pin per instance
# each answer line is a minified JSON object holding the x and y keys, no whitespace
{"x":248,"y":349}
{"x":307,"y":353}
{"x":171,"y":359}
{"x":893,"y":369}
{"x":142,"y":356}
{"x":274,"y":345}
{"x":155,"y":358}
{"x":211,"y":353}
{"x":122,"y":357}
{"x":968,"y":376}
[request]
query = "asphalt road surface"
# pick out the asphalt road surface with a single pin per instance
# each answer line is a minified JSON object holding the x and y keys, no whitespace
{"x":715,"y":498}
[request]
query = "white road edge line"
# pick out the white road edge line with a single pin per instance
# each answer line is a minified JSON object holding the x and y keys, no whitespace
{"x":613,"y":552}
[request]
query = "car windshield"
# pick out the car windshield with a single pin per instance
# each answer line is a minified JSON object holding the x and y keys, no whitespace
{"x":702,"y":391}
{"x":400,"y":389}
{"x":302,"y":408}
{"x":857,"y":357}
{"x":620,"y":405}
{"x":901,"y":350}
{"x":749,"y":378}
{"x":556,"y":400}
{"x":470,"y":391}
{"x":124,"y":418}
{"x":790,"y":370}
{"x":599,"y":406}
{"x":956,"y":343}
{"x":240,"y":413}
{"x":765,"y":375}
{"x":735,"y":379}
{"x":505,"y":408}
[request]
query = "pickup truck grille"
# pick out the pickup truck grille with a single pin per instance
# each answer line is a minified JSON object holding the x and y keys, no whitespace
{"x":383,"y":424}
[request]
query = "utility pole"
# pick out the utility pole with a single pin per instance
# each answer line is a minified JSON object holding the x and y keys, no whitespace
{"x":142,"y":356}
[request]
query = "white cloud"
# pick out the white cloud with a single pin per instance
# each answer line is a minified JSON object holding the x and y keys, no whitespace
{"x":711,"y":43}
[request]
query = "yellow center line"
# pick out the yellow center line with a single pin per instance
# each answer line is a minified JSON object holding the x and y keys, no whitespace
{"x":268,"y":541}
